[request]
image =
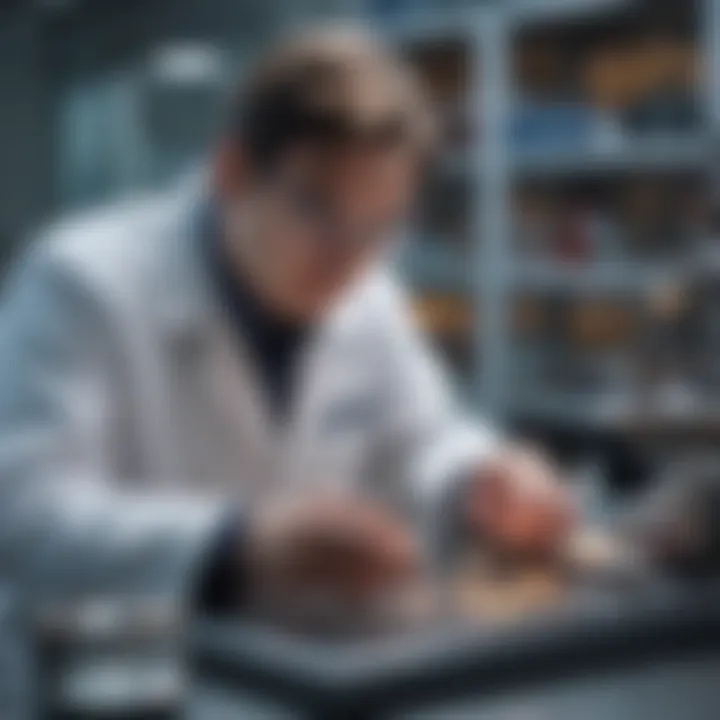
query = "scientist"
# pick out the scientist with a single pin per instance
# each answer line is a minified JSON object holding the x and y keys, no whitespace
{"x":219,"y":395}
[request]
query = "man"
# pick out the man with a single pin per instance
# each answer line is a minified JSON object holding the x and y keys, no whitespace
{"x":220,"y":392}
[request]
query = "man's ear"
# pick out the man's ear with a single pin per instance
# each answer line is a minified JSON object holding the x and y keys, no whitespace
{"x":230,"y":171}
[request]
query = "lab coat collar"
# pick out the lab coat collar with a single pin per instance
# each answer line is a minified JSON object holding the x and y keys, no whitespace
{"x":185,"y":298}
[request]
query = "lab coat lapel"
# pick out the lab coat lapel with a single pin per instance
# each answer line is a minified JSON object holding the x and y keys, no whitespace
{"x":234,"y":416}
{"x":236,"y":391}
{"x":321,"y":370}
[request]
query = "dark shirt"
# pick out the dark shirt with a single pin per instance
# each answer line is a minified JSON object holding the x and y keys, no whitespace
{"x":274,"y":343}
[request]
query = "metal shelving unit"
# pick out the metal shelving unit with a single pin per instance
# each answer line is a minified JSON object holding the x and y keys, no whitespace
{"x":488,"y":271}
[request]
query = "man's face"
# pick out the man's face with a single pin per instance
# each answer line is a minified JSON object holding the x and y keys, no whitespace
{"x":313,"y":224}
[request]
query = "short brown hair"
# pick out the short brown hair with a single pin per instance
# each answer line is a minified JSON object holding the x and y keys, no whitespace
{"x":329,"y":86}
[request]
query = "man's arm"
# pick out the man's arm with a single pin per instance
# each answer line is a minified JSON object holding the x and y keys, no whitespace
{"x":437,"y":441}
{"x":462,"y":471}
{"x":69,"y":528}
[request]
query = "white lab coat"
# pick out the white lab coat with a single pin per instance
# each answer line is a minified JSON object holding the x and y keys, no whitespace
{"x":131,"y":421}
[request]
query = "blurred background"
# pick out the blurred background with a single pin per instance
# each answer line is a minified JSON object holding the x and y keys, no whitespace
{"x":565,"y":255}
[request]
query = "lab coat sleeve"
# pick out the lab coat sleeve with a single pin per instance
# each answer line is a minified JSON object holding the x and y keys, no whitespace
{"x":439,"y":442}
{"x":69,"y":529}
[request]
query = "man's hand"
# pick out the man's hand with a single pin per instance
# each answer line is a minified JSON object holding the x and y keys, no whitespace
{"x":337,"y":548}
{"x":517,"y":504}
